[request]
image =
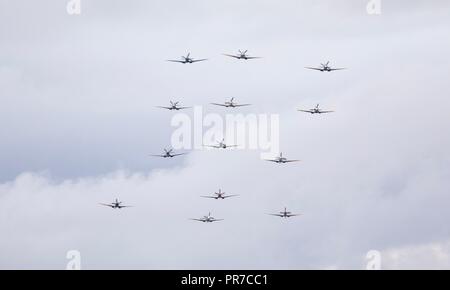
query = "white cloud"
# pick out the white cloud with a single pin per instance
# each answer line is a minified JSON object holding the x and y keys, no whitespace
{"x":431,"y":256}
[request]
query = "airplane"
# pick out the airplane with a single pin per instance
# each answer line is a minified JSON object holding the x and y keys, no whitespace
{"x":230,"y":104}
{"x":207,"y":219}
{"x":173,"y":106}
{"x":281,"y":159}
{"x":168,"y":154}
{"x":115,"y":205}
{"x":219,"y":195}
{"x":316,"y":110}
{"x":187,"y":59}
{"x":242,"y":55}
{"x":325,"y":67}
{"x":221,"y":145}
{"x":284,"y":214}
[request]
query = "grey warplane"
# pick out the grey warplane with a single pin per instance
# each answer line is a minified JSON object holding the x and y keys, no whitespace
{"x":115,"y":205}
{"x":221,"y":145}
{"x":173,"y":106}
{"x":284,"y":214}
{"x":325,"y":67}
{"x":207,"y":219}
{"x":281,"y":159}
{"x":242,"y":55}
{"x":187,"y":59}
{"x":219,"y":195}
{"x":315,"y":110}
{"x":168,"y":154}
{"x":230,"y":104}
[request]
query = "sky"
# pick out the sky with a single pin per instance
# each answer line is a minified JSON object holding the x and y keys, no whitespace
{"x":78,"y":121}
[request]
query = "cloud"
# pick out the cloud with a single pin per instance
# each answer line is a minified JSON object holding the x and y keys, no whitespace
{"x":431,"y":256}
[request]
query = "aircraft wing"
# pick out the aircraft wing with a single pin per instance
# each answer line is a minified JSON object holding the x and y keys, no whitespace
{"x":289,"y":215}
{"x":208,"y":196}
{"x":231,"y":195}
{"x":105,"y":204}
{"x":314,"y":68}
{"x":197,"y":60}
{"x":199,"y":220}
{"x":216,"y":220}
{"x":212,"y":146}
{"x":230,"y":55}
{"x":217,"y":104}
{"x":276,"y":214}
{"x":158,"y":155}
{"x":306,"y":111}
{"x":242,"y":105}
{"x":287,"y":161}
{"x":182,"y":108}
{"x":333,"y":69}
{"x":324,"y":112}
{"x":164,"y":107}
{"x":232,"y":146}
{"x":178,"y":154}
{"x":180,"y":61}
{"x":253,"y":57}
{"x":122,"y":206}
{"x":271,"y":160}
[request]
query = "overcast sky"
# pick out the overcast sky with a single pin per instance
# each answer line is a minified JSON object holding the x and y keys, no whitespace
{"x":78,"y":120}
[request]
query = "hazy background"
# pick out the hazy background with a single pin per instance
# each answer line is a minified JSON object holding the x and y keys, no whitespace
{"x":77,"y":121}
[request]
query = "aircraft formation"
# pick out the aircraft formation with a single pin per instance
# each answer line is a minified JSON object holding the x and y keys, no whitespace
{"x":231,"y":103}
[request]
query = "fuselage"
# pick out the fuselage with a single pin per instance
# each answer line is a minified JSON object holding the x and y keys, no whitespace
{"x":230,"y":104}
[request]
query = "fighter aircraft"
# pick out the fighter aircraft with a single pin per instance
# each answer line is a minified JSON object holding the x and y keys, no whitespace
{"x":284,"y":214}
{"x":281,"y":159}
{"x":242,"y":55}
{"x":187,"y":59}
{"x":219,"y":195}
{"x":221,"y":145}
{"x":207,"y":219}
{"x":115,"y":205}
{"x":173,"y":106}
{"x":316,"y":110}
{"x":168,"y":154}
{"x":230,"y":104}
{"x":325,"y":67}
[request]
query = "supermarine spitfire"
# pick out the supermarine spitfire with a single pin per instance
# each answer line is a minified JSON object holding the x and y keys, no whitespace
{"x":207,"y":219}
{"x":115,"y":205}
{"x":284,"y":214}
{"x":187,"y":59}
{"x":168,"y":154}
{"x":242,"y":55}
{"x":315,"y":110}
{"x":281,"y":159}
{"x":173,"y":106}
{"x":325,"y":67}
{"x":221,"y":145}
{"x":230,"y":104}
{"x":219,"y":195}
